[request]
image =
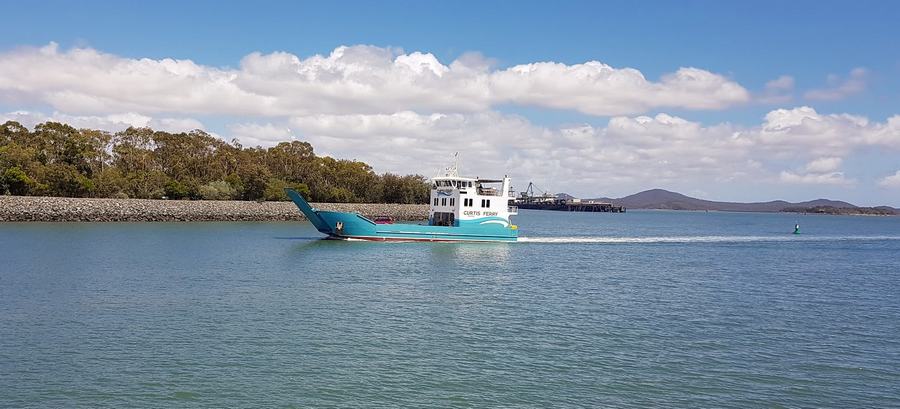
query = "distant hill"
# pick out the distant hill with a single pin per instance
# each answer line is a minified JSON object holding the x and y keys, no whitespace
{"x":664,"y":199}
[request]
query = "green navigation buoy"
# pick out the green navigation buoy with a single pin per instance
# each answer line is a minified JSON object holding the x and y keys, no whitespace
{"x":797,"y":228}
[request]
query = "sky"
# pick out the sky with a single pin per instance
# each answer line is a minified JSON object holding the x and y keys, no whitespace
{"x":750,"y":101}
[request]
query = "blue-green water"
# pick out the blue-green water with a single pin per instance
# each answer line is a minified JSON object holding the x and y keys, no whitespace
{"x":641,"y":309}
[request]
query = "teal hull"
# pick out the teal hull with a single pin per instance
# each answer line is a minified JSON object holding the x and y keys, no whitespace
{"x":343,"y":225}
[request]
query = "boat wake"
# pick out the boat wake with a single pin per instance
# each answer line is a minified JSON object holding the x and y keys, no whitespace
{"x":703,"y":239}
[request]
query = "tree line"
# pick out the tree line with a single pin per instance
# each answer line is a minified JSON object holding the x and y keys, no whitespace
{"x":58,"y":160}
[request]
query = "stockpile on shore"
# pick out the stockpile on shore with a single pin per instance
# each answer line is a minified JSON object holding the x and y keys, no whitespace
{"x":61,"y":209}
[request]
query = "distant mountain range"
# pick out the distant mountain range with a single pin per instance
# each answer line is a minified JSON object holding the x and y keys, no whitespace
{"x":664,"y":199}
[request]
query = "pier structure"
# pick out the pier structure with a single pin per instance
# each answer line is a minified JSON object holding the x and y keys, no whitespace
{"x":547,"y":201}
{"x":570,"y":206}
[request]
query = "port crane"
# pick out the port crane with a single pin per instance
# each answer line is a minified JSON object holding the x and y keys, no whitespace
{"x":528,"y":194}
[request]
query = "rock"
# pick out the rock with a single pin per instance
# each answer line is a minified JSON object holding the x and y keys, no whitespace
{"x":63,"y":209}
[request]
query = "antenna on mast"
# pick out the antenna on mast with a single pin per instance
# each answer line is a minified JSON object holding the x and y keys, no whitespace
{"x":453,"y":169}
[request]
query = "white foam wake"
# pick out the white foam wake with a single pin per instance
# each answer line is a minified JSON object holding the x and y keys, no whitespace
{"x":703,"y":239}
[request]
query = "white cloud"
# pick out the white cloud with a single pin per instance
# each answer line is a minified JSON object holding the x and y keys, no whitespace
{"x":406,"y":141}
{"x":111,"y":122}
{"x":787,"y":130}
{"x":350,"y":80}
{"x":778,"y":91}
{"x":628,"y":152}
{"x":824,"y":165}
{"x":175,"y":124}
{"x":838,"y":88}
{"x":87,"y":82}
{"x":252,"y":134}
{"x":598,"y":89}
{"x":831,"y":178}
{"x":892,"y":181}
{"x":402,"y":111}
{"x":821,"y":171}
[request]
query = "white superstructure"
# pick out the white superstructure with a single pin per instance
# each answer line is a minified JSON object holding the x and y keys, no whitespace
{"x":455,"y":199}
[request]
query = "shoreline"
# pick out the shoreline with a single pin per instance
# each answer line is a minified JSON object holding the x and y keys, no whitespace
{"x":67,"y":209}
{"x":767,"y":212}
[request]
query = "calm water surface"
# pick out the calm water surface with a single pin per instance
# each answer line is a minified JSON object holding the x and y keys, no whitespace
{"x":673,"y":309}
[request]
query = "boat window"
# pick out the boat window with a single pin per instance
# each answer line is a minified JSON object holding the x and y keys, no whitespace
{"x":444,"y":201}
{"x":443,"y":219}
{"x":488,"y":203}
{"x":452,"y":201}
{"x":435,"y":201}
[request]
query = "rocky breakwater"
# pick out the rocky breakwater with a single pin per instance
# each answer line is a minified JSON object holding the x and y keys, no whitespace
{"x":62,"y":209}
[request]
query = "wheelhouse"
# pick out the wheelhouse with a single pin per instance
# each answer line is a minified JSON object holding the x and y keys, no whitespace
{"x":458,"y":200}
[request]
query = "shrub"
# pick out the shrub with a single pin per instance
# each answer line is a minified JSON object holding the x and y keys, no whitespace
{"x":339,"y":195}
{"x":15,"y":181}
{"x":275,"y":190}
{"x":176,"y":190}
{"x":218,"y":190}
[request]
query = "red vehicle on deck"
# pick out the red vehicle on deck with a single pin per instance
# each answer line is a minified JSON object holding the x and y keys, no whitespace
{"x":384,"y":220}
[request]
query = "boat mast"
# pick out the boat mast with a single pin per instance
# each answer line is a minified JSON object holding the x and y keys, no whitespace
{"x":452,"y":170}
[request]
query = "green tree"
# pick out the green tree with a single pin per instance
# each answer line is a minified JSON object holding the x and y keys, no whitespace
{"x":65,"y":180}
{"x":255,"y":178}
{"x":110,"y":182}
{"x":13,"y":132}
{"x":57,"y":159}
{"x":15,"y":181}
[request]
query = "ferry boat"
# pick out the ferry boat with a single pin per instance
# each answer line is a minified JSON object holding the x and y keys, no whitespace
{"x":462,"y":209}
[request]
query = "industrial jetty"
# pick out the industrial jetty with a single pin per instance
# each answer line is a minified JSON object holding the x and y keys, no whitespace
{"x":565,"y":203}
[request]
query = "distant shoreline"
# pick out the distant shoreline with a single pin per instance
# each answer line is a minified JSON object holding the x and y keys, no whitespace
{"x":814,"y":213}
{"x":663,"y":200}
{"x":65,"y":209}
